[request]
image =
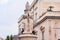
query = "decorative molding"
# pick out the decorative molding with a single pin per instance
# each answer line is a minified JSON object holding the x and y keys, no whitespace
{"x":42,"y":14}
{"x":47,"y":17}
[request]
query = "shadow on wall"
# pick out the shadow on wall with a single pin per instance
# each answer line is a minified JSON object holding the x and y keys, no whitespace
{"x":58,"y":39}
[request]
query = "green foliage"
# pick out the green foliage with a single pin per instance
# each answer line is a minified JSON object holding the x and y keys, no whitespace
{"x":9,"y":37}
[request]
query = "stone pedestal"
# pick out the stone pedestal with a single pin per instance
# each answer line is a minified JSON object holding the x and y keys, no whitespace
{"x":27,"y":37}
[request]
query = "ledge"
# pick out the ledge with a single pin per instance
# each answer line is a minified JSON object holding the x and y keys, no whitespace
{"x":48,"y":15}
{"x":27,"y":35}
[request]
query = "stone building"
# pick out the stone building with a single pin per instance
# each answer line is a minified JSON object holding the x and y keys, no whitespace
{"x":40,"y":21}
{"x":15,"y":37}
{"x":1,"y":38}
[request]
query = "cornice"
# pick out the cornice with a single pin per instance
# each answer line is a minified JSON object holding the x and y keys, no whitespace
{"x":48,"y":15}
{"x":33,"y":3}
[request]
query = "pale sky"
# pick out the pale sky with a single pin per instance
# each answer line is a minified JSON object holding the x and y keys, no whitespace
{"x":10,"y":11}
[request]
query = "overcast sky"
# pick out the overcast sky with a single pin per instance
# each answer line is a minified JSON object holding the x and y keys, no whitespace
{"x":10,"y":11}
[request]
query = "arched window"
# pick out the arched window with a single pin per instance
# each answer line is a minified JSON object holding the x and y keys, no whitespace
{"x":42,"y":31}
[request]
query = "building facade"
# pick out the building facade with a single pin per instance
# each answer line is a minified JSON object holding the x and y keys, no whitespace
{"x":1,"y":38}
{"x":40,"y":21}
{"x":15,"y":37}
